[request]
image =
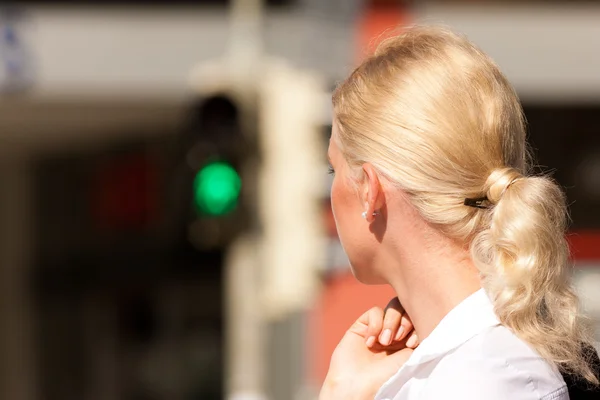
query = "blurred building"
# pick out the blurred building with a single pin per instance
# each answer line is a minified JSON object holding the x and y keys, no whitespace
{"x":115,"y":286}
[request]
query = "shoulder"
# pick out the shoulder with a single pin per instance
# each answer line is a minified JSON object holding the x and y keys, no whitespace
{"x":497,"y":365}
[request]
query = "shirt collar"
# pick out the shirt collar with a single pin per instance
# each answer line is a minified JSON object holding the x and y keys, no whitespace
{"x":472,"y":316}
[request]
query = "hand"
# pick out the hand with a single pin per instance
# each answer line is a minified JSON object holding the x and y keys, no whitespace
{"x":361,"y":363}
{"x":390,"y":326}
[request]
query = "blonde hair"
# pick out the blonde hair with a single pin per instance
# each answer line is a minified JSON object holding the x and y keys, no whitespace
{"x":435,"y":115}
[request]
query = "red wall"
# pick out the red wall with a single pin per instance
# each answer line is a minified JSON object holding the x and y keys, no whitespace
{"x":342,"y":301}
{"x":376,"y":24}
{"x":585,"y":246}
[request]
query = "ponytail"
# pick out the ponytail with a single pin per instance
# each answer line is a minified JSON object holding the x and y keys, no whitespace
{"x":524,"y":260}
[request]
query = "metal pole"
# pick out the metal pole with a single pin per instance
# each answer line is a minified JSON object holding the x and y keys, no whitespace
{"x":245,"y":361}
{"x":290,"y":212}
{"x":245,"y":45}
{"x":245,"y":335}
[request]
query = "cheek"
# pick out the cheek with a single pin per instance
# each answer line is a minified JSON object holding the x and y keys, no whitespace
{"x":355,"y":238}
{"x":343,"y":205}
{"x":339,"y":199}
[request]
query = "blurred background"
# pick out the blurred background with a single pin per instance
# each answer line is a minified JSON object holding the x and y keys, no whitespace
{"x":165,"y":229}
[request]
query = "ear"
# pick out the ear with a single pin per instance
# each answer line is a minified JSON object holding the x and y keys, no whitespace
{"x":372,"y":191}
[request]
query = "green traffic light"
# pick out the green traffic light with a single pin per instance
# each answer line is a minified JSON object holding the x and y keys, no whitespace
{"x":217,"y":189}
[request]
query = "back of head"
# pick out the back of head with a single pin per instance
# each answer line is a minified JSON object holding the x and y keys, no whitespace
{"x":435,"y":115}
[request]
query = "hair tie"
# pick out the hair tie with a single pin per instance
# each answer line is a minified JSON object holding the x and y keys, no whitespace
{"x":496,"y":177}
{"x":476,"y":203}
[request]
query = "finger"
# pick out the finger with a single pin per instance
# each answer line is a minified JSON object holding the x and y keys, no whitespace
{"x":375,"y":325}
{"x":391,"y":322}
{"x":406,"y":327}
{"x":361,"y":325}
{"x":413,"y":341}
{"x":392,"y":348}
{"x":368,"y":325}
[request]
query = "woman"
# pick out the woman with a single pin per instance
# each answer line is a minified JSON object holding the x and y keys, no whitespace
{"x":432,"y":195}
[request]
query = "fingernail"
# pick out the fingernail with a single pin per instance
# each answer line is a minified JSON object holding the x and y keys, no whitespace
{"x":371,"y":341}
{"x":400,"y":333}
{"x":386,"y":337}
{"x":412,"y":341}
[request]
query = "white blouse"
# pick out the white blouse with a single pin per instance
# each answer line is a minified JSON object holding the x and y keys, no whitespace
{"x":471,"y":356}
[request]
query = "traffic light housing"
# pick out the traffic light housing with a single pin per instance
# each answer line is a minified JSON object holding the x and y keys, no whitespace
{"x":217,"y":151}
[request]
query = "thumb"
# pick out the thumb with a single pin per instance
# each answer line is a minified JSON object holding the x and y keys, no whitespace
{"x":370,"y":323}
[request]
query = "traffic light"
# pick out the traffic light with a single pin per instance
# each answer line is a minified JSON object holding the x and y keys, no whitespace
{"x":216,"y":154}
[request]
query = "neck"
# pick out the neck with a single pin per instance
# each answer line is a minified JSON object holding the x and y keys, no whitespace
{"x":434,"y":283}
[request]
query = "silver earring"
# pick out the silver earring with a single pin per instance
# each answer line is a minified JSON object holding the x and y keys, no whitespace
{"x":364,"y":214}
